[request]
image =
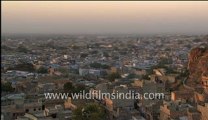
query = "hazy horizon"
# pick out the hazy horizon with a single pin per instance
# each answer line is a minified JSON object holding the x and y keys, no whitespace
{"x":104,"y":17}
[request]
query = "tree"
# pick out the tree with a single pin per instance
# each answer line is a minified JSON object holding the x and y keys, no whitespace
{"x":4,"y":47}
{"x":123,"y":52}
{"x":83,"y":55}
{"x":77,"y":114}
{"x":163,"y":64}
{"x":99,"y":65}
{"x":64,"y":71}
{"x":150,"y":71}
{"x":78,"y":88}
{"x":197,"y":40}
{"x":42,"y":70}
{"x":90,"y":111}
{"x":105,"y":54}
{"x":23,"y":49}
{"x":94,"y":52}
{"x":114,"y":76}
{"x":23,"y":67}
{"x":68,"y":87}
{"x":146,"y":77}
{"x":164,"y":61}
{"x":132,"y":75}
{"x":75,"y":47}
{"x":7,"y":87}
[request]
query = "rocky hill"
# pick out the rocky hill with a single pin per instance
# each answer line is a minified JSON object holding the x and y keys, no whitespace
{"x":198,"y":66}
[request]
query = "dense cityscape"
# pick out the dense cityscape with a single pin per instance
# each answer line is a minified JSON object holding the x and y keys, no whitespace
{"x":104,"y":60}
{"x":175,"y":65}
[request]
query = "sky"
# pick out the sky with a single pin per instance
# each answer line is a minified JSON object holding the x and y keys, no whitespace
{"x":97,"y":17}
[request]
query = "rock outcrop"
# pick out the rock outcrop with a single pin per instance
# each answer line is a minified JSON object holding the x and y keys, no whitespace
{"x":198,"y":68}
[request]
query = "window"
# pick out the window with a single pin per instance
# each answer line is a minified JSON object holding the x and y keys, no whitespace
{"x":43,"y":107}
{"x":53,"y":115}
{"x":27,"y":110}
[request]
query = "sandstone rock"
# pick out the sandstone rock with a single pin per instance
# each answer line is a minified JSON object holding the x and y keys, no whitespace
{"x":197,"y":66}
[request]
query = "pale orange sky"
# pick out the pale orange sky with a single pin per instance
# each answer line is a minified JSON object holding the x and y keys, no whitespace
{"x":104,"y":17}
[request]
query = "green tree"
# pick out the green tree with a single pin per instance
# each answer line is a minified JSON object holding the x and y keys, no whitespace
{"x":77,"y":114}
{"x":7,"y":87}
{"x":146,"y":77}
{"x":68,"y":87}
{"x":64,"y":71}
{"x":23,"y":49}
{"x":75,"y":47}
{"x":94,"y":52}
{"x":164,"y":61}
{"x":132,"y":75}
{"x":123,"y":52}
{"x":23,"y":67}
{"x":114,"y":76}
{"x":42,"y":70}
{"x":4,"y":47}
{"x":79,"y":88}
{"x":83,"y":55}
{"x":90,"y":111}
{"x":99,"y":65}
{"x":105,"y":54}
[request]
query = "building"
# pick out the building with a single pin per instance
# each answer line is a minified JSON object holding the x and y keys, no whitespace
{"x":179,"y":95}
{"x":173,"y":110}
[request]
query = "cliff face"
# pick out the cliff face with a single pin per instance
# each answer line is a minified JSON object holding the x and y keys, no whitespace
{"x":197,"y":66}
